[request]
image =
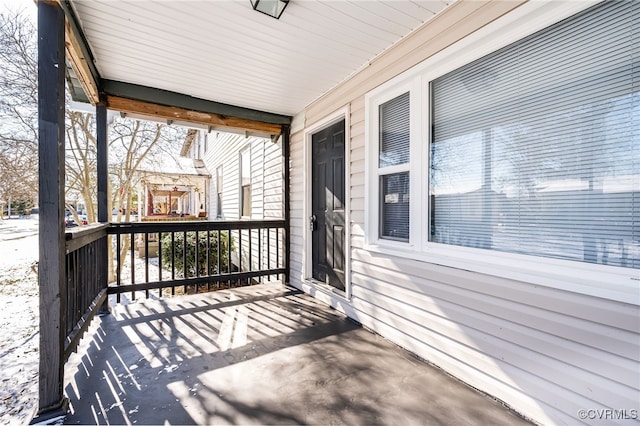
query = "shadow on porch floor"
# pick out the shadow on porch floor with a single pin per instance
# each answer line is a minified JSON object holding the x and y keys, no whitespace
{"x":264,"y":354}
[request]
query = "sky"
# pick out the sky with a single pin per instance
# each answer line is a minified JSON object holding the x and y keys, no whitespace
{"x":27,"y":5}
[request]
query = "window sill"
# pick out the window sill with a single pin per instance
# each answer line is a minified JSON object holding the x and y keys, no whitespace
{"x":601,"y":281}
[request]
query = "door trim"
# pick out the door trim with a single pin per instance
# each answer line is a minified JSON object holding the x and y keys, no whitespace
{"x":307,"y":267}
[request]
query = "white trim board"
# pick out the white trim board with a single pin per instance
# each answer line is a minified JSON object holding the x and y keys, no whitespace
{"x":343,"y":113}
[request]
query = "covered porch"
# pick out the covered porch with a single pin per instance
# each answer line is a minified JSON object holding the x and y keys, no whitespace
{"x":262,"y":354}
{"x":265,"y":354}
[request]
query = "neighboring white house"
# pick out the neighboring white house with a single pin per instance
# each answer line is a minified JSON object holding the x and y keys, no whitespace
{"x":430,"y":202}
{"x":246,"y":174}
{"x":246,"y":184}
{"x":174,"y":188}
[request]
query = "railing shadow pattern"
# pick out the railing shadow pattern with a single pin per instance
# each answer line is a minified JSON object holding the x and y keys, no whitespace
{"x":264,"y":354}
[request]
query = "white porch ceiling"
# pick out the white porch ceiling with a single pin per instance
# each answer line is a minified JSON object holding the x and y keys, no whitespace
{"x":223,"y":51}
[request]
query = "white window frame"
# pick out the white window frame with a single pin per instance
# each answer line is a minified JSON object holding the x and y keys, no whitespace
{"x":373,"y":171}
{"x":219,"y":193}
{"x":609,"y":282}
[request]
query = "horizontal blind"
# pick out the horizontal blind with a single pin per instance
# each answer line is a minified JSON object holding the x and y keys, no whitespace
{"x":394,"y":205}
{"x":394,"y":131}
{"x":536,"y":147}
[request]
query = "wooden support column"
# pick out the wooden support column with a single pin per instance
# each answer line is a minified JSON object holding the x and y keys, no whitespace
{"x":102,"y":160}
{"x":286,"y":154}
{"x":102,"y":171}
{"x":51,"y":268}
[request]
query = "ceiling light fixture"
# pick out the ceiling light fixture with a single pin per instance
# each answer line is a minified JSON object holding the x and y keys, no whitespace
{"x":273,"y":8}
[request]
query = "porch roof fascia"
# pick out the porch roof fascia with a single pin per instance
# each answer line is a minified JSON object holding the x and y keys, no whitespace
{"x":154,"y":102}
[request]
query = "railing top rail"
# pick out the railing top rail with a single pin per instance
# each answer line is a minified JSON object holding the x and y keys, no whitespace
{"x":193,"y":225}
{"x":84,"y":235}
{"x":82,"y":231}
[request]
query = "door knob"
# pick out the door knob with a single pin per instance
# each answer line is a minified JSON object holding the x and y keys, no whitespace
{"x":313,"y":222}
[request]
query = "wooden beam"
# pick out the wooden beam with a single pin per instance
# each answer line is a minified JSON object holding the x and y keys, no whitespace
{"x":132,"y":106}
{"x":80,"y":68}
{"x":51,"y":152}
{"x":79,"y":55}
{"x":157,"y":96}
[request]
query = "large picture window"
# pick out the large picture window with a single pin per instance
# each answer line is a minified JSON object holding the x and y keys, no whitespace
{"x":533,"y":149}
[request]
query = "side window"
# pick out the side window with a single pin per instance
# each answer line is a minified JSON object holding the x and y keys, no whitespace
{"x":219,"y":192}
{"x":393,"y":168}
{"x":245,"y":183}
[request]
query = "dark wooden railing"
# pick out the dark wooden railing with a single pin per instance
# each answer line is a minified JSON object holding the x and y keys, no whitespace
{"x":170,"y":257}
{"x":86,"y":286}
{"x":193,"y":256}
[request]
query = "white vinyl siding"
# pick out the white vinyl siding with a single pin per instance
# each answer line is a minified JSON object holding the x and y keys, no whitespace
{"x":266,"y":174}
{"x":546,"y":350}
{"x":266,"y":196}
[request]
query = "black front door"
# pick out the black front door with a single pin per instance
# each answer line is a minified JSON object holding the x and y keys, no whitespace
{"x":327,"y":221}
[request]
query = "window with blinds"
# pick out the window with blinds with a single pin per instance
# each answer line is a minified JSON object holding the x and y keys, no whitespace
{"x":393,"y":161}
{"x":245,"y":183}
{"x":394,"y":131}
{"x":219,"y":192}
{"x":536,"y":148}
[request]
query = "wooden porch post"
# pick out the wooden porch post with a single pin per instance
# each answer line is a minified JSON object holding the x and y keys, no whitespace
{"x":51,"y":268}
{"x":102,"y":158}
{"x":286,"y":150}
{"x":102,"y":162}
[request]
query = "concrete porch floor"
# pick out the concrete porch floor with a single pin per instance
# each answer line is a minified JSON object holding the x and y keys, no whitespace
{"x":265,"y":354}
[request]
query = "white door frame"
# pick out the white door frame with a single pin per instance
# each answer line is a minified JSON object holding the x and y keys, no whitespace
{"x":307,"y":267}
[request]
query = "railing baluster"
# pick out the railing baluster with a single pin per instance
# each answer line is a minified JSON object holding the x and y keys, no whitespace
{"x":78,"y":260}
{"x":185,"y":270}
{"x":160,"y":262}
{"x":118,"y":278}
{"x":173,"y":261}
{"x":146,"y":261}
{"x":228,"y":255}
{"x":278,"y":250}
{"x":260,"y":263}
{"x":269,"y":251}
{"x":133,"y":264}
{"x":197,"y":259}
{"x":219,"y":257}
{"x":208,"y":258}
{"x":239,"y":250}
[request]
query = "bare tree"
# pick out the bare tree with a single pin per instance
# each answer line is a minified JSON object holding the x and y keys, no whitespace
{"x":80,"y":167}
{"x":130,"y":143}
{"x":18,"y":107}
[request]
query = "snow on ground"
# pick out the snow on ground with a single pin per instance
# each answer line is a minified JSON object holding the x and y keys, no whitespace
{"x":19,"y":314}
{"x":19,"y":337}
